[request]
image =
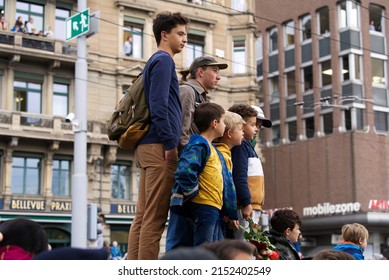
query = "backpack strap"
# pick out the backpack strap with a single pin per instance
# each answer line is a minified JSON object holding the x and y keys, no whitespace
{"x":197,"y":94}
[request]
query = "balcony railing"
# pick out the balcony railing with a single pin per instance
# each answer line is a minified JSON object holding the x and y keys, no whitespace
{"x":22,"y":41}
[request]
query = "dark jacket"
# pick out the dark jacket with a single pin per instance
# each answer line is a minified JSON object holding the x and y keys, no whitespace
{"x":283,"y":246}
{"x":163,"y":97}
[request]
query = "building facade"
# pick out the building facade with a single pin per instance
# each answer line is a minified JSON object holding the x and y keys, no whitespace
{"x":37,"y":78}
{"x":322,"y":68}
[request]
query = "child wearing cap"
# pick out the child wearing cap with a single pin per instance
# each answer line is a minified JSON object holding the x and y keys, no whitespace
{"x":247,"y":168}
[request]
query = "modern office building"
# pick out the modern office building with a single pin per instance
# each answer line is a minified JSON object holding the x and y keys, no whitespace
{"x":322,"y":67}
{"x":37,"y":92}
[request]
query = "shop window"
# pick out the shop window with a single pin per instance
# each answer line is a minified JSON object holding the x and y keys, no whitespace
{"x":61,"y":177}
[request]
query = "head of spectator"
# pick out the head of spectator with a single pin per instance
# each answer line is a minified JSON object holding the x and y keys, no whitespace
{"x":286,"y":222}
{"x":189,"y":253}
{"x":229,"y":249}
{"x":21,"y":239}
{"x":206,"y":71}
{"x":329,"y":254}
{"x":69,"y":253}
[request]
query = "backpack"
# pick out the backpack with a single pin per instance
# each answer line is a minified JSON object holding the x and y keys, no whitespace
{"x":130,"y":121}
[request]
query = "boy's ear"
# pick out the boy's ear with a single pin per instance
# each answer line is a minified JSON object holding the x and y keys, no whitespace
{"x":229,"y":132}
{"x":1,"y":237}
{"x":287,"y":232}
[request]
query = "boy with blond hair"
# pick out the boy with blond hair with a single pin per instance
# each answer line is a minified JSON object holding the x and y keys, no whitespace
{"x":354,"y":242}
{"x":233,"y":136}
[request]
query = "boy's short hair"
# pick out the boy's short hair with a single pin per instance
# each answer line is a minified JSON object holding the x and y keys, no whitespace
{"x":245,"y":111}
{"x":227,"y":249}
{"x":166,"y":21}
{"x":206,"y":113}
{"x":354,"y":232}
{"x":232,"y":120}
{"x":283,"y":219}
{"x":329,"y":254}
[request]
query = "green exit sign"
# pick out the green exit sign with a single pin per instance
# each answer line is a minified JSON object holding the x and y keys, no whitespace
{"x":77,"y":25}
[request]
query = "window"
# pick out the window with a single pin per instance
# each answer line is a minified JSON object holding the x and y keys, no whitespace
{"x":309,"y":127}
{"x":323,"y":20}
{"x":308,"y":78}
{"x":27,"y":97}
{"x":290,"y":83}
{"x":376,"y":17}
{"x":259,"y":47}
{"x":239,"y":5}
{"x":292,"y":131}
{"x":351,"y":67}
{"x":381,"y":121}
{"x":2,"y":7}
{"x":354,"y":119}
{"x":29,"y":10}
{"x":327,"y":123}
{"x":26,"y":174}
{"x":61,"y":177}
{"x":239,"y":55}
{"x":121,"y":181}
{"x":305,"y":26}
{"x":60,"y":99}
{"x":348,"y":14}
{"x":60,"y":23}
{"x":326,"y":73}
{"x":378,"y":71}
{"x":289,"y":34}
{"x":133,"y":36}
{"x":274,"y":90}
{"x":194,"y":47}
{"x":273,"y":39}
{"x":276,"y":136}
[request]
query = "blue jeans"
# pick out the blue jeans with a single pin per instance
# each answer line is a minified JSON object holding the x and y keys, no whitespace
{"x":180,"y":231}
{"x":206,"y":221}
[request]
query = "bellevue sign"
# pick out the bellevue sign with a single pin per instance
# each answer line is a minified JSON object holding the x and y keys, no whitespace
{"x":77,"y":25}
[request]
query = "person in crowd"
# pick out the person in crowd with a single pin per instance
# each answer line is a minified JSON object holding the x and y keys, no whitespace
{"x":233,"y":136}
{"x":372,"y":25}
{"x":156,"y":153}
{"x":198,"y":191}
{"x":128,"y":46}
{"x":329,"y":254}
{"x":229,"y":249}
{"x":4,"y":24}
{"x":189,"y":253}
{"x":30,"y":26}
{"x":354,"y":242}
{"x":204,"y":76}
{"x":116,"y":253}
{"x":19,"y":26}
{"x":21,"y":239}
{"x":284,"y":231}
{"x":70,"y":253}
{"x":48,"y":32}
{"x":247,"y":167}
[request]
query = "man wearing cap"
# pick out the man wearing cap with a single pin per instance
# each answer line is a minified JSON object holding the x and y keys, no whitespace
{"x":247,"y":168}
{"x":204,"y":76}
{"x":261,"y":122}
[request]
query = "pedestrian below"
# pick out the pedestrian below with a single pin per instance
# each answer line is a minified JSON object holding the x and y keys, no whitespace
{"x":354,"y":240}
{"x":284,"y":231}
{"x":231,"y":249}
{"x":22,"y":239}
{"x":156,"y":154}
{"x":247,"y":168}
{"x":116,"y":253}
{"x":198,"y":191}
{"x":204,"y":76}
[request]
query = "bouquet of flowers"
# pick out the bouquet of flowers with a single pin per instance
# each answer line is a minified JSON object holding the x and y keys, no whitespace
{"x":265,"y":250}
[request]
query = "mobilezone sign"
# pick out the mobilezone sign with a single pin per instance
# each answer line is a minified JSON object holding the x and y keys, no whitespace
{"x":327,"y":208}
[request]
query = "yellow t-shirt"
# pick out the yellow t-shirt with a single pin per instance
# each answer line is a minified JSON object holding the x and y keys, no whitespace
{"x":211,"y":182}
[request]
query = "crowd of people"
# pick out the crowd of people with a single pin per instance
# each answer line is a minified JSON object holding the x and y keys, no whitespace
{"x":25,"y":26}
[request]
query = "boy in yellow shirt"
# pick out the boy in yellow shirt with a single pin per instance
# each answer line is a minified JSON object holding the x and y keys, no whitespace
{"x":198,"y":191}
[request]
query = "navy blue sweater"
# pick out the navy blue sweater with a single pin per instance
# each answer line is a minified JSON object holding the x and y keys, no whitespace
{"x":163,"y":97}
